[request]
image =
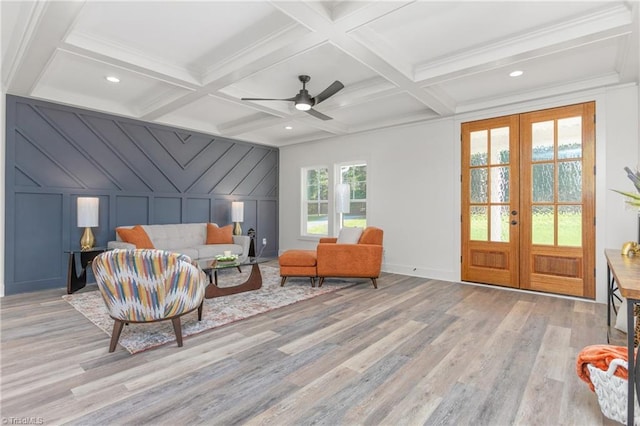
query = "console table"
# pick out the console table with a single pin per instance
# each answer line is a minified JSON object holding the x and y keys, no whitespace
{"x":624,"y":271}
{"x":74,"y":281}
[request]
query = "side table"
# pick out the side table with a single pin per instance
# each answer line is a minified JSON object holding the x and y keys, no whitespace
{"x":74,"y":281}
{"x":626,"y":273}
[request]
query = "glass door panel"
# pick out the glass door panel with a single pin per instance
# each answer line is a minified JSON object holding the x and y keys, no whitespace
{"x":500,"y":216}
{"x":479,"y":223}
{"x":556,"y":181}
{"x":542,"y":225}
{"x":542,"y":141}
{"x":570,"y":226}
{"x":543,"y":183}
{"x":489,"y":188}
{"x":570,"y":181}
{"x":500,"y":145}
{"x":570,"y":137}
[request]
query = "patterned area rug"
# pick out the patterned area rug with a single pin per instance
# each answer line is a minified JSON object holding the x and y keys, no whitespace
{"x":218,"y":311}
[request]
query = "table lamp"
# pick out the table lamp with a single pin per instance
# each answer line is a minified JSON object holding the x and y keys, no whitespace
{"x":237,"y":216}
{"x":87,"y":218}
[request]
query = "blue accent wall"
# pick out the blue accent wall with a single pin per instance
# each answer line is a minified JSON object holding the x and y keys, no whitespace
{"x":143,"y":173}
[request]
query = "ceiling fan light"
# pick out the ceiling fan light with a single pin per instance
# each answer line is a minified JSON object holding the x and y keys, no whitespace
{"x":302,"y":106}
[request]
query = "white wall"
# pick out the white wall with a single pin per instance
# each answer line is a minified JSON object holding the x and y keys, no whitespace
{"x":622,"y":150}
{"x":414,"y":183}
{"x":403,"y":197}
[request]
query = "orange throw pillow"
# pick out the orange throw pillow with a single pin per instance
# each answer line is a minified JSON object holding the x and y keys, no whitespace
{"x":136,"y":235}
{"x":217,"y":235}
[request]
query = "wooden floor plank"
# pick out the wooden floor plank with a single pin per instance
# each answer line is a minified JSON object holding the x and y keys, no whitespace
{"x":413,"y":351}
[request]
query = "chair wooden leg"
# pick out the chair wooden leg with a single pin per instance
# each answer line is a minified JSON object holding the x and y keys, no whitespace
{"x":115,"y":335}
{"x":200,"y":310}
{"x":177,"y":328}
{"x":321,"y":281}
{"x":282,"y":281}
{"x":313,"y":281}
{"x":375,"y":283}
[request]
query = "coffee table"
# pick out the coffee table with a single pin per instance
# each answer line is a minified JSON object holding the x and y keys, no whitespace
{"x":212,"y":266}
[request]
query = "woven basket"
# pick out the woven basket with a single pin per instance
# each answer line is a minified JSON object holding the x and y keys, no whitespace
{"x":612,"y":392}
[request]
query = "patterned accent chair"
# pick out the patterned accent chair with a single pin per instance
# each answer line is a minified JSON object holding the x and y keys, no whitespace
{"x":147,"y":286}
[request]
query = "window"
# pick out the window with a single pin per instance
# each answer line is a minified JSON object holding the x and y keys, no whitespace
{"x":319,"y":215}
{"x":316,"y":201}
{"x":356,"y":176}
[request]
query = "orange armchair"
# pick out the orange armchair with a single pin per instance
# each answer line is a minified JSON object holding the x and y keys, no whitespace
{"x":361,"y":260}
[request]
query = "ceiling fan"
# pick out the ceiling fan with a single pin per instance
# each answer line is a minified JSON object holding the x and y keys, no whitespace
{"x":304,"y":102}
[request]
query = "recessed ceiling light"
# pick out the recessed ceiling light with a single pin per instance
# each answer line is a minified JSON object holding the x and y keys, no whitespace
{"x":288,"y":127}
{"x":516,"y":73}
{"x":112,"y":79}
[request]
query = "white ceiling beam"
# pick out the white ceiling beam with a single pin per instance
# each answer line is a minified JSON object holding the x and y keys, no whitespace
{"x":48,"y":25}
{"x":540,"y":93}
{"x":628,"y":68}
{"x":599,"y":26}
{"x":335,"y":34}
{"x":110,"y":52}
{"x":287,"y":42}
{"x":248,"y":124}
{"x":350,"y":16}
{"x":331,"y":126}
{"x":231,"y":74}
{"x":367,"y":37}
{"x":395,"y":121}
{"x":19,"y":22}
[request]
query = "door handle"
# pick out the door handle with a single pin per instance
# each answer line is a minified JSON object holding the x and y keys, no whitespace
{"x":514,"y":212}
{"x":514,"y":222}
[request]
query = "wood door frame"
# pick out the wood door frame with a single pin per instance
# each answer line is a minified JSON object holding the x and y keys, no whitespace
{"x":580,"y":274}
{"x":563,"y":269}
{"x":492,"y":262}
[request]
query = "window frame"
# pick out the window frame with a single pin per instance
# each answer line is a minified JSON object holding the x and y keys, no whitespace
{"x":334,"y":177}
{"x":304,"y":216}
{"x":339,"y":217}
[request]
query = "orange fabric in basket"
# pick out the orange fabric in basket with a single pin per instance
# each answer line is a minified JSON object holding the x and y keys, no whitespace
{"x":600,"y":356}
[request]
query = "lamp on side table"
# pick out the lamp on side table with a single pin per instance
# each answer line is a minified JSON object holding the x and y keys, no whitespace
{"x":88,"y":208}
{"x":237,"y":216}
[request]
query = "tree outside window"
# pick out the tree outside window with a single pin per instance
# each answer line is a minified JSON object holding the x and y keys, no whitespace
{"x":356,"y":176}
{"x":316,"y":201}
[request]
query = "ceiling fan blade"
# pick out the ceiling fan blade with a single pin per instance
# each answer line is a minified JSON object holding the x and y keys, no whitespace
{"x":334,"y":88}
{"x":266,"y":99}
{"x":319,"y":115}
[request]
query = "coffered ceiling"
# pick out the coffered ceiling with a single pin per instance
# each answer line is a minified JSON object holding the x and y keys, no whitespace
{"x":187,"y":64}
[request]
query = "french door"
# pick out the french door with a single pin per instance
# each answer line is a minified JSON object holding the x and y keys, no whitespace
{"x":528,"y":201}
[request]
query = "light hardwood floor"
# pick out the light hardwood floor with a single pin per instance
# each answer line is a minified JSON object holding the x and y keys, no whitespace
{"x":415,"y":351}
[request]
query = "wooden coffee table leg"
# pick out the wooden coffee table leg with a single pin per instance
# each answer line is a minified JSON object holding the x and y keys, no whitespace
{"x":254,"y":282}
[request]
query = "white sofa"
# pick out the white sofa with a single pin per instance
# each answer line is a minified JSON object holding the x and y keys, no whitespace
{"x":189,"y":239}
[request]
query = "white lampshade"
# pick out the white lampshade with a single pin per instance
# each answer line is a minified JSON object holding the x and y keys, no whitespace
{"x":237,"y":211}
{"x":343,"y":195}
{"x":88,"y":208}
